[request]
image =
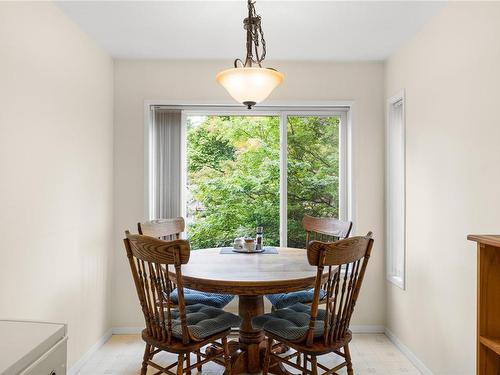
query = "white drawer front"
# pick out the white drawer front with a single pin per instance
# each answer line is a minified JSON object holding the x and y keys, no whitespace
{"x":51,"y":363}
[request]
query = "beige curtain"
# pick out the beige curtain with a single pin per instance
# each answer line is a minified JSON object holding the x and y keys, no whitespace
{"x":166,"y":163}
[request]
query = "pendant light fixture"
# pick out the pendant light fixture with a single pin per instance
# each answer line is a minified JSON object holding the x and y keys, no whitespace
{"x":250,"y":83}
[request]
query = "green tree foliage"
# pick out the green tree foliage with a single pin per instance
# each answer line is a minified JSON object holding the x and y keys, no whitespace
{"x":233,"y":177}
{"x":208,"y":149}
{"x":313,"y":166}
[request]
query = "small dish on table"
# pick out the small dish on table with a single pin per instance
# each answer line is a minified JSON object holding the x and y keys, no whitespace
{"x":246,"y":245}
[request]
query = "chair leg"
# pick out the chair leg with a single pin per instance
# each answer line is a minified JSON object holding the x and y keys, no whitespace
{"x":267,"y":357}
{"x":180,"y":364}
{"x":314,"y":365}
{"x":227,"y":357}
{"x":147,"y":353}
{"x":198,"y":359}
{"x":188,"y":363}
{"x":304,"y":371}
{"x":347,"y":353}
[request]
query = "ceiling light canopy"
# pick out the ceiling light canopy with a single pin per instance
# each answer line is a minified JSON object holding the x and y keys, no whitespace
{"x":246,"y":83}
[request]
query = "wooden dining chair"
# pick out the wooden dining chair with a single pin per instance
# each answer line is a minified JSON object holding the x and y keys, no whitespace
{"x":171,"y":229}
{"x":310,"y":331}
{"x":326,"y":229}
{"x":175,"y":328}
{"x":165,"y":229}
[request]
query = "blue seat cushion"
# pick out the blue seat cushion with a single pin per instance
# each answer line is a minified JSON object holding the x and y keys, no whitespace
{"x":193,"y":297}
{"x":282,"y":300}
{"x":290,"y":323}
{"x":204,"y":321}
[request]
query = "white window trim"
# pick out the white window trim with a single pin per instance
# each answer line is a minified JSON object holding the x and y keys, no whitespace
{"x":400,"y":279}
{"x":341,"y":109}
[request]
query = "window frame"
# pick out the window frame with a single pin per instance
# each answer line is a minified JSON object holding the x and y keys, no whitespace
{"x":398,"y":279}
{"x":343,"y":110}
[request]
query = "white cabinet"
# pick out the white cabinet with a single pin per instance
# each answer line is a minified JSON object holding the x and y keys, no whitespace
{"x":31,"y":348}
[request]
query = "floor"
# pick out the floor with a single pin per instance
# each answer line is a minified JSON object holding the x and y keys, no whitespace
{"x":372,"y":354}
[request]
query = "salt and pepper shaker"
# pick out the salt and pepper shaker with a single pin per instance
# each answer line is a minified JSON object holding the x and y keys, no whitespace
{"x":259,"y":238}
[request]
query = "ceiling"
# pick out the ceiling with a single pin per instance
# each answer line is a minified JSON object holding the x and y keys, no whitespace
{"x":294,"y":30}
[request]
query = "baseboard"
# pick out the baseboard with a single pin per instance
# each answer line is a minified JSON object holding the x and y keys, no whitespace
{"x":408,"y":353}
{"x":126,"y":330}
{"x":367,"y":329}
{"x":79,"y":364}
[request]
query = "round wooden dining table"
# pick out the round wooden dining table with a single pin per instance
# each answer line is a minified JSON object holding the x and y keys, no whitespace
{"x":250,"y":276}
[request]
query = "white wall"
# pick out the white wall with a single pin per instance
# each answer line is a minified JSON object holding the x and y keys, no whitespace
{"x":136,"y":81}
{"x":56,"y":97}
{"x":451,"y":73}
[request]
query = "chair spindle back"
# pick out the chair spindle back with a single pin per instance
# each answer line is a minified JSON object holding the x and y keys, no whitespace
{"x":165,"y":229}
{"x":346,"y":261}
{"x":325,"y":229}
{"x":149,"y":259}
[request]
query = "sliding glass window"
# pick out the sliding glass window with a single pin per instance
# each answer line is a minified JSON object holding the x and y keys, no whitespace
{"x":266,"y":168}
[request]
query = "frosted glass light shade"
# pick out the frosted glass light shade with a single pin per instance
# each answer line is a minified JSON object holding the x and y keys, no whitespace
{"x":249,"y":85}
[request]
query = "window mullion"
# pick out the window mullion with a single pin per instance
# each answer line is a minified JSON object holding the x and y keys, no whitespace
{"x":283,"y":179}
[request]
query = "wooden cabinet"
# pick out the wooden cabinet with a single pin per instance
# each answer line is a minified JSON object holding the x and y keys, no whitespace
{"x":488,"y":304}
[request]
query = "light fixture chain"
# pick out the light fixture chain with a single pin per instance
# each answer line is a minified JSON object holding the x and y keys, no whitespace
{"x":263,"y":43}
{"x":253,"y":26}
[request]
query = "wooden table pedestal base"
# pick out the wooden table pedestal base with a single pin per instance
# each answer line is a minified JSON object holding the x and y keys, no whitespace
{"x":242,"y":362}
{"x":247,"y":354}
